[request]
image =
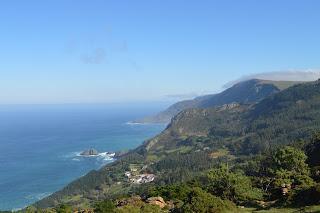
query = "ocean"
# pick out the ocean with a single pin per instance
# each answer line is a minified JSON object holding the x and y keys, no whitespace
{"x":40,"y":144}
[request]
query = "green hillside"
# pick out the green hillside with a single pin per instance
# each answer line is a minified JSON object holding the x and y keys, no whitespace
{"x":249,"y":91}
{"x":245,"y":136}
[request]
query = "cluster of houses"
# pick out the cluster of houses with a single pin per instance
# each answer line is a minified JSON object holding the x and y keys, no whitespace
{"x":141,"y":178}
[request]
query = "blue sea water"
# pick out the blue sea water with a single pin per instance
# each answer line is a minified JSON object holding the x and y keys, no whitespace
{"x":40,"y":145}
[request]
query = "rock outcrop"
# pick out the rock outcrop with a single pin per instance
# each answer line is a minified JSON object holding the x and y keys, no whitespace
{"x":157,"y":201}
{"x":134,"y":200}
{"x":89,"y":152}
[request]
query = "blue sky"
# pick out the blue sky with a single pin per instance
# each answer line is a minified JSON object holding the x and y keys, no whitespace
{"x":63,"y":51}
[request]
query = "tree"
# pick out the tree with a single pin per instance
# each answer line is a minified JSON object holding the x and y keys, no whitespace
{"x":202,"y":202}
{"x":313,"y":151}
{"x":288,"y":166}
{"x":231,"y":185}
{"x":170,"y":192}
{"x":104,"y":207}
{"x":64,"y":209}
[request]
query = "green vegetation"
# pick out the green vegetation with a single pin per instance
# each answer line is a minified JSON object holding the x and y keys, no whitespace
{"x":277,"y":181}
{"x":233,"y":186}
{"x":250,"y":91}
{"x":104,"y":206}
{"x":201,"y":201}
{"x":263,"y":156}
{"x":64,"y":209}
{"x":277,"y":120}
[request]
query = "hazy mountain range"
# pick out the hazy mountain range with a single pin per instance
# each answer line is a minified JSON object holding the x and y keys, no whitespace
{"x":248,"y":91}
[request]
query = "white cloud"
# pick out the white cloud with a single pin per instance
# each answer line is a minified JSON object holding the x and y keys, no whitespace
{"x":288,"y":75}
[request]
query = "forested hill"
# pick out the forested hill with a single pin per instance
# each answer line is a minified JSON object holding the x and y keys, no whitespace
{"x":249,"y":91}
{"x":278,"y":119}
{"x":197,"y":139}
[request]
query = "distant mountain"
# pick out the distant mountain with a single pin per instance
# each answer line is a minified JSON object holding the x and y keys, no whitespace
{"x":278,"y":119}
{"x":249,"y":91}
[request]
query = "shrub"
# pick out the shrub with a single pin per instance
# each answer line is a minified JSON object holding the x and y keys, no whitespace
{"x":231,"y":185}
{"x":64,"y":209}
{"x":200,"y":201}
{"x":104,"y":207}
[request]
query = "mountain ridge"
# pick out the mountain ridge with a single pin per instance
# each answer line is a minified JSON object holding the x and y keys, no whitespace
{"x":248,"y":91}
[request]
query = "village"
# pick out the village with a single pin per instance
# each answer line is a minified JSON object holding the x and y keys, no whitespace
{"x":137,"y":176}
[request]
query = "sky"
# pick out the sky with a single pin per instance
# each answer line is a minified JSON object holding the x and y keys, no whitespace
{"x":103,"y":51}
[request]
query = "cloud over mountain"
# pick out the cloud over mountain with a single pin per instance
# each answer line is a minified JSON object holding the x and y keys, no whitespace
{"x":288,"y":75}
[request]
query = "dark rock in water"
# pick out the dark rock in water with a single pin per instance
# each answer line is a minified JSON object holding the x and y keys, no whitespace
{"x":89,"y":152}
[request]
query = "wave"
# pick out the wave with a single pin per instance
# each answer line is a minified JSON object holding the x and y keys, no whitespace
{"x":38,"y":196}
{"x":107,"y":156}
{"x":76,"y":156}
{"x":72,"y":155}
{"x":133,"y":123}
{"x":18,"y":209}
{"x":32,"y":197}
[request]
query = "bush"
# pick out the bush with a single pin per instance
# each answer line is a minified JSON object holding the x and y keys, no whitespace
{"x":171,"y":192}
{"x":200,"y":201}
{"x":309,"y":196}
{"x":104,"y":207}
{"x":64,"y":209}
{"x":128,"y":209}
{"x":232,"y":185}
{"x":150,"y":209}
